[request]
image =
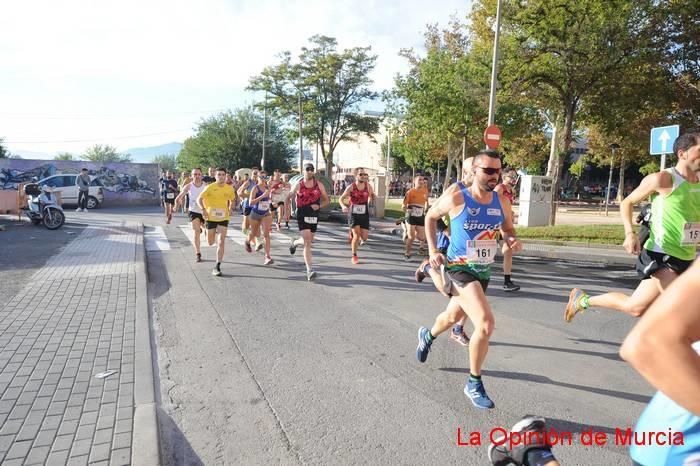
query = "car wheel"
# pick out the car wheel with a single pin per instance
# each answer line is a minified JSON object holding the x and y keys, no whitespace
{"x":92,"y":202}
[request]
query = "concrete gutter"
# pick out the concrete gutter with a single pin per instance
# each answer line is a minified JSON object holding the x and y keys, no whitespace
{"x":145,"y":441}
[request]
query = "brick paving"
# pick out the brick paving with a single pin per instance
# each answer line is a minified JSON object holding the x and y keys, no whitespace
{"x":74,"y":319}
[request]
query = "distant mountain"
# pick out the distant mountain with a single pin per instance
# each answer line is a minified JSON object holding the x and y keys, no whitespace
{"x":146,"y":154}
{"x":33,"y":155}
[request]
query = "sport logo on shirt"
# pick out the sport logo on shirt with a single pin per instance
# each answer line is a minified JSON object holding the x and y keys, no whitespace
{"x":473,"y":212}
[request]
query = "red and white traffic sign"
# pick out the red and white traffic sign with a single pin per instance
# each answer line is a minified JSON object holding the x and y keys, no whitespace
{"x":492,"y":137}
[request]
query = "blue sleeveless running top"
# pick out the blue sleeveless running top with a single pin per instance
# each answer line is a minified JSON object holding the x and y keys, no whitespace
{"x":263,"y":205}
{"x":473,"y":236}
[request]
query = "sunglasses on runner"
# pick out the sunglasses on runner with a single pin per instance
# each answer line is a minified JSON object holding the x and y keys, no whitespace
{"x":309,"y":169}
{"x":490,"y":171}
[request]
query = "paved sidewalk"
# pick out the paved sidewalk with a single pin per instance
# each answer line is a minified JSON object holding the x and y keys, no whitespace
{"x":76,"y":317}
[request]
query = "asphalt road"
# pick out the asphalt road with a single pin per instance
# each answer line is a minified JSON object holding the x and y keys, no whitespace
{"x":26,"y":248}
{"x":261,"y":367}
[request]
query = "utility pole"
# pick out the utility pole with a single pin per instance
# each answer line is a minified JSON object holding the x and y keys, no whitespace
{"x":301,"y":143}
{"x":494,"y":66}
{"x":613,"y":148}
{"x":387,"y":179}
{"x":262,"y":162}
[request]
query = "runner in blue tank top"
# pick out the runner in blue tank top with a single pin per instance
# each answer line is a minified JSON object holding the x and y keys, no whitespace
{"x":477,"y":214}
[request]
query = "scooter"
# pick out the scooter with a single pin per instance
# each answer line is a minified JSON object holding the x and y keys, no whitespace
{"x":42,"y":207}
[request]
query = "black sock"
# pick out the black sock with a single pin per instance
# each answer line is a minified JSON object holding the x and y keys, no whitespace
{"x":474,"y":378}
{"x":507,"y":278}
{"x":218,"y":265}
{"x":539,"y":457}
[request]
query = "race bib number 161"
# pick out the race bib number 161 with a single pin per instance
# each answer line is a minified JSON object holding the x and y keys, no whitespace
{"x":482,"y":251}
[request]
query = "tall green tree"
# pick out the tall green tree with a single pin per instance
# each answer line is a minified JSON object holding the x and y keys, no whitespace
{"x":105,"y":154}
{"x":332,"y":85}
{"x":167,"y":162}
{"x":233,"y":140}
{"x":444,"y":102}
{"x":4,"y":153}
{"x":64,"y":156}
{"x":562,"y":53}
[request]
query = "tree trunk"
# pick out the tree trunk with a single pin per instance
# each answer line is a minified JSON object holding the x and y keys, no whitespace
{"x":621,"y":185}
{"x":329,"y":165}
{"x":556,"y":169}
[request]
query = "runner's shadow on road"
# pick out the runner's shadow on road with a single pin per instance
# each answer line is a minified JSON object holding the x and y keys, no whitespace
{"x":611,"y":356}
{"x":535,"y":378}
{"x":598,"y":342}
{"x":526,"y":292}
{"x":175,"y":448}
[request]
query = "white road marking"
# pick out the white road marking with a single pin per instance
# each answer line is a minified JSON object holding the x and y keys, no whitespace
{"x":155,"y":239}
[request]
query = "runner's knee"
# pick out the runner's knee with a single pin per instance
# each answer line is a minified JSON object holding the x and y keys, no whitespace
{"x":484,"y":326}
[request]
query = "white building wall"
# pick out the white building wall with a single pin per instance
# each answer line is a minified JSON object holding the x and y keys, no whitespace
{"x":364,"y":152}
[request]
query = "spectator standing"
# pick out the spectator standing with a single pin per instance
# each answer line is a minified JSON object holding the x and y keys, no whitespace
{"x":82,"y":181}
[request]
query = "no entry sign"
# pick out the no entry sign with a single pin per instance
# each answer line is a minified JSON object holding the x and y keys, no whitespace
{"x":492,"y":137}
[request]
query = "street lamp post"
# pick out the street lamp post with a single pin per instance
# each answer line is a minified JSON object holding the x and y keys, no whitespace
{"x":387,"y":179}
{"x":613,"y":148}
{"x":301,"y":143}
{"x":262,"y":162}
{"x":494,"y":66}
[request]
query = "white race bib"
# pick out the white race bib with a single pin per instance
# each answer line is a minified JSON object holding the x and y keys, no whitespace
{"x":170,"y":196}
{"x":263,"y":206}
{"x":482,"y":251}
{"x":311,"y":220}
{"x":218,"y":213}
{"x":416,"y":211}
{"x":691,"y":234}
{"x":359,"y":209}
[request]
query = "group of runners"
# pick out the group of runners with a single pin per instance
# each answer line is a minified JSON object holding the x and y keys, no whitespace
{"x":262,"y":202}
{"x":462,"y":230}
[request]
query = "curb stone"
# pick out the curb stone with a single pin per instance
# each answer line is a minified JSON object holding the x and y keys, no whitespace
{"x":145,"y":442}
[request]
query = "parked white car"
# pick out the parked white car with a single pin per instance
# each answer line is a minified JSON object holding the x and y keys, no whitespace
{"x":65,"y":184}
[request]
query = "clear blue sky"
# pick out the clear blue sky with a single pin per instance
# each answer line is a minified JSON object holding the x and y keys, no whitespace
{"x":141,"y":73}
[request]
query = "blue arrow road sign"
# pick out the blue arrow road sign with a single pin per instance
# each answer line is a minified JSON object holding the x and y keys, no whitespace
{"x":662,"y":139}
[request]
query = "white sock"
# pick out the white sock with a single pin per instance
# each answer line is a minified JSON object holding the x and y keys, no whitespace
{"x":299,"y":242}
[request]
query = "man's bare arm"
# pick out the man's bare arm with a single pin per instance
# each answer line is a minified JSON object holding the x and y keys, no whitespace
{"x":659,"y":346}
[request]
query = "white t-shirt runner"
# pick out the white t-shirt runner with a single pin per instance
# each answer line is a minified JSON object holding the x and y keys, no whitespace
{"x":194,"y":195}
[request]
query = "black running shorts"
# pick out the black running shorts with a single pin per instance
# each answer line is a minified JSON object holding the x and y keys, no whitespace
{"x":462,"y":278}
{"x":212,"y":225}
{"x":195,"y":215}
{"x":359,"y":220}
{"x":307,"y":218}
{"x":650,"y":262}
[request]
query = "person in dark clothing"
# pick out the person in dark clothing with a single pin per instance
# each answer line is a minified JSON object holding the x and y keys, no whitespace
{"x":82,"y":181}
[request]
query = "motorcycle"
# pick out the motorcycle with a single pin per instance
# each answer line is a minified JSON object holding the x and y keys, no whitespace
{"x":42,"y":207}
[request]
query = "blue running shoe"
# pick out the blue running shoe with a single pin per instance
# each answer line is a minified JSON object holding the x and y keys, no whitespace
{"x":423,"y":345}
{"x":477,"y":394}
